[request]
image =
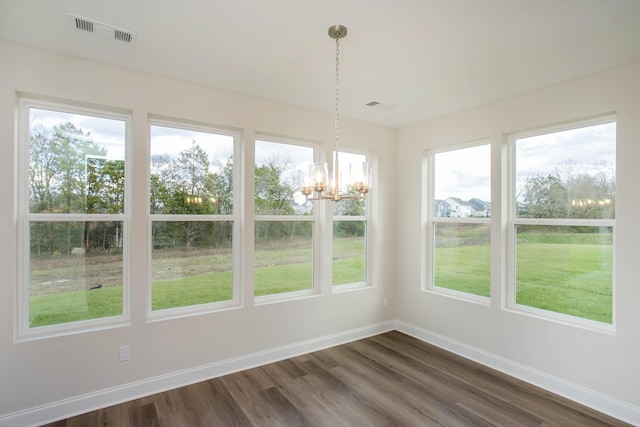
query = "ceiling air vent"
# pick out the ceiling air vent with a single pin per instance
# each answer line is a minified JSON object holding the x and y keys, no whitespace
{"x":123,"y":36}
{"x":375,"y":105}
{"x":84,"y":25}
{"x":103,"y":30}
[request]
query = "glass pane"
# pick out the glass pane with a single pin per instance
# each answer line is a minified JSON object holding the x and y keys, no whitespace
{"x":462,"y":183}
{"x":349,"y":252}
{"x":566,"y":270}
{"x":568,"y":174}
{"x":75,"y":271}
{"x":191,"y":172}
{"x":351,"y":170}
{"x":191,"y":263}
{"x":283,"y":256}
{"x":76,"y":163}
{"x":278,"y":167}
{"x":462,"y":257}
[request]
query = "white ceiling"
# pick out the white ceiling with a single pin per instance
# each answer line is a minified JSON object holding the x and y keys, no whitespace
{"x":420,"y":58}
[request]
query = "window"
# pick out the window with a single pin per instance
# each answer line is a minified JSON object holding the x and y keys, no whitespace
{"x":563,"y":221}
{"x":285,"y":224}
{"x":192,"y":220}
{"x":74,"y":217}
{"x":350,"y":223}
{"x":459,"y":237}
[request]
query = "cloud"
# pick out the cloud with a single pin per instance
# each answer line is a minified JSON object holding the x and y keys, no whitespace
{"x":172,"y":141}
{"x":586,"y":147}
{"x":107,"y":133}
{"x":464,"y":173}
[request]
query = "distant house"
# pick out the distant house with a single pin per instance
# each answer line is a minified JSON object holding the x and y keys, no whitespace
{"x":480,"y":208}
{"x":458,"y":208}
{"x":441,"y":208}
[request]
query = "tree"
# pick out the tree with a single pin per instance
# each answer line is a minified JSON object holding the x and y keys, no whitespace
{"x":105,"y":186}
{"x":42,"y":170}
{"x":71,"y":147}
{"x":191,"y":170}
{"x":183,"y":186}
{"x":58,"y":182}
{"x":222,"y":187}
{"x":593,"y":198}
{"x":275,"y":185}
{"x":350,"y":207}
{"x":572,"y":191}
{"x":543,"y":197}
{"x":57,"y":169}
{"x":158,"y":194}
{"x":273,"y":196}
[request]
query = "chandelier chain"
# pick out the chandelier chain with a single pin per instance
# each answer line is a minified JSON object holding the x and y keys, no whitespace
{"x":337,"y":91}
{"x":315,"y":185}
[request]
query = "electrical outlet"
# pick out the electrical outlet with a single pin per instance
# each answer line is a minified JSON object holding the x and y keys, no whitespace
{"x":125,"y":353}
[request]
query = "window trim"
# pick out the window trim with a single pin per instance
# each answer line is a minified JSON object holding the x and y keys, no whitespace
{"x":315,"y":217}
{"x":22,"y":330}
{"x":509,"y":300}
{"x":429,"y":221}
{"x":236,"y":300}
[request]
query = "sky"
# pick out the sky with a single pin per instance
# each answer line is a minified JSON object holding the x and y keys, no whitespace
{"x":463,"y":173}
{"x":586,"y":147}
{"x":466,"y":172}
{"x":108,"y":133}
{"x":171,"y":141}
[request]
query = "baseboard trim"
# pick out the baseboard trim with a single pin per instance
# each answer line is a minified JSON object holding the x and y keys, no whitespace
{"x":598,"y":401}
{"x":92,"y":401}
{"x":113,"y":396}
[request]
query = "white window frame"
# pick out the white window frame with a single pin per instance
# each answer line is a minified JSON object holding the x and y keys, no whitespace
{"x":318,"y":210}
{"x":236,"y":299}
{"x":513,"y":221}
{"x":366,"y":218}
{"x":430,"y":221}
{"x":23,"y":331}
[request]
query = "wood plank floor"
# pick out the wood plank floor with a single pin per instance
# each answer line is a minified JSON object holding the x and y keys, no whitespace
{"x":387,"y":380}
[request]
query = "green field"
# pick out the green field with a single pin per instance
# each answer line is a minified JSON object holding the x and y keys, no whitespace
{"x":572,"y":278}
{"x":464,"y":269}
{"x":179,"y":281}
{"x":568,"y":273}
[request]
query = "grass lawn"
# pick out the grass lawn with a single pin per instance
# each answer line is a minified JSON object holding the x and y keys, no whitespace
{"x":199,"y":278}
{"x":572,"y":278}
{"x":74,"y":306}
{"x":192,"y":290}
{"x":464,"y":269}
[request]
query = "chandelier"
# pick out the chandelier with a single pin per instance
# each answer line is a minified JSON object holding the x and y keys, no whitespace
{"x":316,"y":185}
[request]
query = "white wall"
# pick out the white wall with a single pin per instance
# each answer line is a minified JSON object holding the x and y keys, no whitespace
{"x":600,"y":362}
{"x":85,"y":367}
{"x":46,"y":371}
